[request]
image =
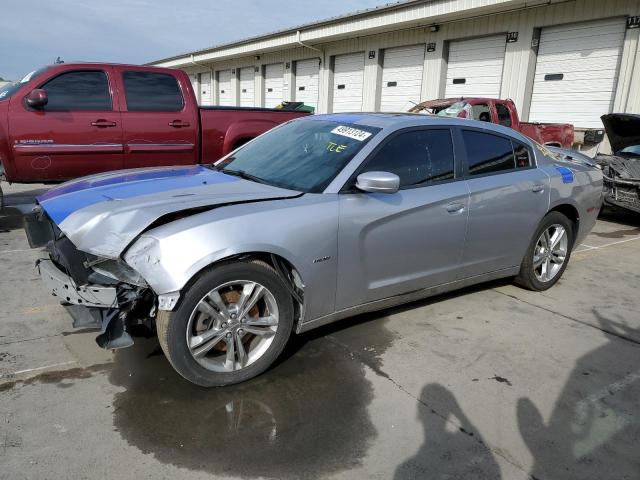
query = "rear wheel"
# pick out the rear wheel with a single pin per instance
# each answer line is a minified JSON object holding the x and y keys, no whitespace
{"x":231,"y":324}
{"x":548,"y":255}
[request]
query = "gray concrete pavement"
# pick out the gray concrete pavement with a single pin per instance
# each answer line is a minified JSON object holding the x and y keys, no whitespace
{"x":489,"y":382}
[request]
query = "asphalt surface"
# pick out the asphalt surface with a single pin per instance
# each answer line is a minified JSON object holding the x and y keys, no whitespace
{"x":489,"y":382}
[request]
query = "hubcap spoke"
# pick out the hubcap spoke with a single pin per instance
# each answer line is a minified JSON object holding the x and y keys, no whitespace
{"x":207,"y":309}
{"x":557,"y":236}
{"x":269,"y":321}
{"x":256,"y":294}
{"x":230,"y":362}
{"x":242,"y":354}
{"x":215,"y":297}
{"x":262,"y":332}
{"x":201,"y":344}
{"x":537,"y":261}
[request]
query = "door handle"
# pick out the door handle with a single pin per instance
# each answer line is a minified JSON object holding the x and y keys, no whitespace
{"x":102,"y":123}
{"x":538,"y":188}
{"x":454,"y":208}
{"x":179,"y":124}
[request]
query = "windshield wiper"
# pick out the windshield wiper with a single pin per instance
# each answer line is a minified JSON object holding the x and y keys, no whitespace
{"x":244,"y":175}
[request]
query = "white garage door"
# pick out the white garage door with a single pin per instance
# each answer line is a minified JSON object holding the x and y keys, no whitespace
{"x":401,"y":78}
{"x":206,"y":95}
{"x":577,"y":72}
{"x":247,"y":87}
{"x":273,"y":81}
{"x":348,"y":77}
{"x":224,"y":88}
{"x":307,"y":73}
{"x":475,"y":66}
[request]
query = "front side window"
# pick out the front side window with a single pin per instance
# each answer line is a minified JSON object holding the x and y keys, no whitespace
{"x":303,"y":155}
{"x":78,"y":90}
{"x":487,"y":153}
{"x":418,"y":157}
{"x":152,"y":92}
{"x":504,"y":116}
{"x":6,"y":91}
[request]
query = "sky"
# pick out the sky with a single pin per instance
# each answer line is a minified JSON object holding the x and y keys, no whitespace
{"x":34,"y":33}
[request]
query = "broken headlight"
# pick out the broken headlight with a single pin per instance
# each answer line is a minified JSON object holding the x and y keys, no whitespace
{"x":118,"y":270}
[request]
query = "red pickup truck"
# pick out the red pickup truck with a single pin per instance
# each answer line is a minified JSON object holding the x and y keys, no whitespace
{"x":503,"y":112}
{"x":69,"y":120}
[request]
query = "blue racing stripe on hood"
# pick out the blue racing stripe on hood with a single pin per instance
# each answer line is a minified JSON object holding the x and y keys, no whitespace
{"x":62,"y":201}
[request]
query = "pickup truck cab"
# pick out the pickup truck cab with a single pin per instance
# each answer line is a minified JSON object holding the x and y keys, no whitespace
{"x":69,"y":120}
{"x":502,"y":112}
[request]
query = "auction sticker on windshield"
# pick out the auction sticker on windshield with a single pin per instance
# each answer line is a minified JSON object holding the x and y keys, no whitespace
{"x":351,"y":132}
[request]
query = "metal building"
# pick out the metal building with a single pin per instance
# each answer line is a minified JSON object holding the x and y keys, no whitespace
{"x":559,"y":60}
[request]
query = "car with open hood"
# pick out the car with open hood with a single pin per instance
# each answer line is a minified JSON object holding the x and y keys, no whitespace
{"x":621,"y":169}
{"x":320,"y":219}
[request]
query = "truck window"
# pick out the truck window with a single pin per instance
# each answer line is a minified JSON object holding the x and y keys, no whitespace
{"x":481,"y":112}
{"x":78,"y":90}
{"x":504,"y":116}
{"x":487,"y":153}
{"x":152,"y":92}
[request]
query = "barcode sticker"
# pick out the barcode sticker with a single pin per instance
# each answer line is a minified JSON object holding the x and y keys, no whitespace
{"x":351,"y":132}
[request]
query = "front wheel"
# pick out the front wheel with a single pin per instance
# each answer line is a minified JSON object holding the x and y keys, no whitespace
{"x":548,"y":255}
{"x":230,"y":326}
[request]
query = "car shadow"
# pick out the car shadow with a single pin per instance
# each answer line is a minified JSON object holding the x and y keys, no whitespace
{"x":16,"y":204}
{"x":593,"y":431}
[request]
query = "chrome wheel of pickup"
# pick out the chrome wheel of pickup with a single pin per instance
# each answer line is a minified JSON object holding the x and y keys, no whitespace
{"x":232,"y":326}
{"x":550,"y":252}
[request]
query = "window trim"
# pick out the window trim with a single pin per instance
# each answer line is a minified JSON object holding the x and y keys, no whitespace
{"x":349,"y":185}
{"x":465,"y":157}
{"x":65,"y":72}
{"x":125,"y":106}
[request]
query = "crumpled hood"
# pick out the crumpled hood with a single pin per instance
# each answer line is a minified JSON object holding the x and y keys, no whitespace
{"x":623,"y":130}
{"x":102,"y":214}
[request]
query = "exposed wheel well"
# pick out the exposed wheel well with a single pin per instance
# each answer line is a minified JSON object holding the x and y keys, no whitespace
{"x":571,"y":213}
{"x":241,"y":141}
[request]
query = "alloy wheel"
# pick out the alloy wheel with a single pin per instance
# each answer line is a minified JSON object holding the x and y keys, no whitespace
{"x":550,"y":253}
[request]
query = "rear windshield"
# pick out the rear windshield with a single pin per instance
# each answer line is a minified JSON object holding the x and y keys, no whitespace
{"x":9,"y":89}
{"x":303,"y":155}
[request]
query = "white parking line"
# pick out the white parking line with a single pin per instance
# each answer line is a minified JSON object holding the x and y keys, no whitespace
{"x":27,"y":370}
{"x":589,"y":247}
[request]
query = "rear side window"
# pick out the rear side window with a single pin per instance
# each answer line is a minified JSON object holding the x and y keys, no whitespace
{"x":523,"y":157}
{"x":487,"y":153}
{"x":79,"y":90}
{"x":504,"y":116}
{"x":152,"y":92}
{"x":418,"y":157}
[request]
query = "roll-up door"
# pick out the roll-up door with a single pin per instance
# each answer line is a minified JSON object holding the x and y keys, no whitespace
{"x":307,"y":75}
{"x":577,"y":72}
{"x":206,"y":95}
{"x":224,"y":88}
{"x":348,"y":79}
{"x":474,"y":67}
{"x":273,"y":82}
{"x":247,"y":87}
{"x":401,"y":78}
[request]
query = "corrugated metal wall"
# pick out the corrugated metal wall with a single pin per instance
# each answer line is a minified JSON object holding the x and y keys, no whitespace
{"x":519,"y":63}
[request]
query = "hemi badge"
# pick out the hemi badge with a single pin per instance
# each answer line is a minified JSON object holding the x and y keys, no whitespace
{"x":321,"y":259}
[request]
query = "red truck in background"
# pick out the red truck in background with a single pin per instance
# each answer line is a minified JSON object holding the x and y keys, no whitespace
{"x":502,"y":112}
{"x":69,"y":120}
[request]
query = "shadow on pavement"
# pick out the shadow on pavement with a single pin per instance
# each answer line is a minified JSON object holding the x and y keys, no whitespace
{"x":448,"y":451}
{"x":593,"y":431}
{"x":15,"y":205}
{"x":304,"y":418}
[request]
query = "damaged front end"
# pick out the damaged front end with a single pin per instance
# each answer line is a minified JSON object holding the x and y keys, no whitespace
{"x":621,"y":171}
{"x":98,"y":293}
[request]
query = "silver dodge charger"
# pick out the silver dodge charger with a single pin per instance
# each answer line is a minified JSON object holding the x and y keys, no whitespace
{"x":317,"y":220}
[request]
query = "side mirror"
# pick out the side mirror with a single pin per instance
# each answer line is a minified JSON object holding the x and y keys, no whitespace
{"x":378,"y":182}
{"x":37,"y":98}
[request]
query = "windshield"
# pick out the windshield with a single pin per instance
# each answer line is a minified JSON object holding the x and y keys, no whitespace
{"x":10,"y":88}
{"x":303,"y":155}
{"x":632,"y":150}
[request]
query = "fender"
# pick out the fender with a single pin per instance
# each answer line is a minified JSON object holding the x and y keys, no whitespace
{"x":245,"y":130}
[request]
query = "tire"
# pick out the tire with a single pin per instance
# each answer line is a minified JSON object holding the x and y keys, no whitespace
{"x":178,"y":328}
{"x":530,"y":277}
